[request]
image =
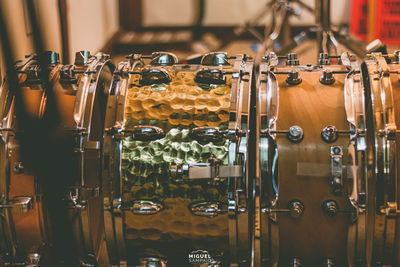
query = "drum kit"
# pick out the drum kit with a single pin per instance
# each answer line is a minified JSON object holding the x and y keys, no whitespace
{"x":211,"y":164}
{"x":231,"y":161}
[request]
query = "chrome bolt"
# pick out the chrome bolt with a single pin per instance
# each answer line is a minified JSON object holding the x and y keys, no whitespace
{"x":292,"y":59}
{"x":324,"y":59}
{"x":329,"y":134}
{"x":19,"y":168}
{"x":329,"y":262}
{"x":296,"y":208}
{"x":293,"y":77}
{"x":295,"y":134}
{"x":330,"y":207}
{"x":327,"y":77}
{"x":296,"y":262}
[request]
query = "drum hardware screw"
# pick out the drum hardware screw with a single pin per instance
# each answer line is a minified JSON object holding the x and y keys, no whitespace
{"x":19,"y":168}
{"x":324,"y":59}
{"x":292,"y":59}
{"x":327,"y":77}
{"x":296,"y":208}
{"x":89,"y":261}
{"x":296,"y":262}
{"x":330,"y":207}
{"x":329,"y":262}
{"x":295,"y":134}
{"x":329,"y":134}
{"x":293,"y":77}
{"x":33,"y":259}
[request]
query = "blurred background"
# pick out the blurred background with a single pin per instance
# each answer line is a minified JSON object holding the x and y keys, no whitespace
{"x":187,"y":27}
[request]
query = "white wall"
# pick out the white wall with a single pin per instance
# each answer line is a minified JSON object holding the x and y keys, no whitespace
{"x":225,"y":12}
{"x":91,"y":24}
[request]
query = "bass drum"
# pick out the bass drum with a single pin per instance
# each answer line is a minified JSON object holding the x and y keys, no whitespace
{"x":312,"y":193}
{"x":177,"y":163}
{"x":81,"y":91}
{"x":381,"y":79}
{"x":24,"y":235}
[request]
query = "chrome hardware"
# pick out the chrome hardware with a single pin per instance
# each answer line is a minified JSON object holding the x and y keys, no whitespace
{"x":390,"y":209}
{"x":327,"y":77}
{"x":324,"y":59}
{"x":19,"y":204}
{"x":296,"y":262}
{"x":18,"y":168}
{"x":336,"y":153}
{"x":152,"y":262}
{"x":51,"y":58}
{"x":146,"y":207}
{"x":215,"y":59}
{"x":32,"y":259}
{"x":396,"y":59}
{"x":329,"y":262}
{"x":293,"y":77}
{"x":32,"y":74}
{"x":330,"y":207}
{"x":154,"y":76}
{"x":329,"y":134}
{"x":295,"y":134}
{"x":214,"y":134}
{"x":206,"y":171}
{"x":67,"y":74}
{"x":145,"y":132}
{"x":295,"y":209}
{"x":89,"y":261}
{"x":163,"y":59}
{"x":205,"y":208}
{"x":77,"y":197}
{"x":82,"y":58}
{"x":292,"y":59}
{"x":213,"y":76}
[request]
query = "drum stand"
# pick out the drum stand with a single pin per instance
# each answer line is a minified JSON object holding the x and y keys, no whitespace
{"x":279,"y":29}
{"x":276,"y":29}
{"x":327,"y":38}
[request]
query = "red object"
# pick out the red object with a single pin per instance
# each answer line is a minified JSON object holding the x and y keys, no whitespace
{"x":359,"y":16}
{"x":387,"y":22}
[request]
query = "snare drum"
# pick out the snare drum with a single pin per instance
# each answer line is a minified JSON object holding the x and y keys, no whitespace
{"x":81,"y":92}
{"x":312,"y":156}
{"x":381,"y":78}
{"x":177,"y":188}
{"x":24,"y":234}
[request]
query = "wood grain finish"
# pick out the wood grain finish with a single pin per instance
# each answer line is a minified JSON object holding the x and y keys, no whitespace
{"x":313,"y":236}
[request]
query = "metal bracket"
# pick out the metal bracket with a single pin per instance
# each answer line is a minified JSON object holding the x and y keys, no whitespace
{"x":336,"y":154}
{"x":295,"y":209}
{"x":390,"y":210}
{"x":206,"y":171}
{"x":20,"y":204}
{"x":137,"y":132}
